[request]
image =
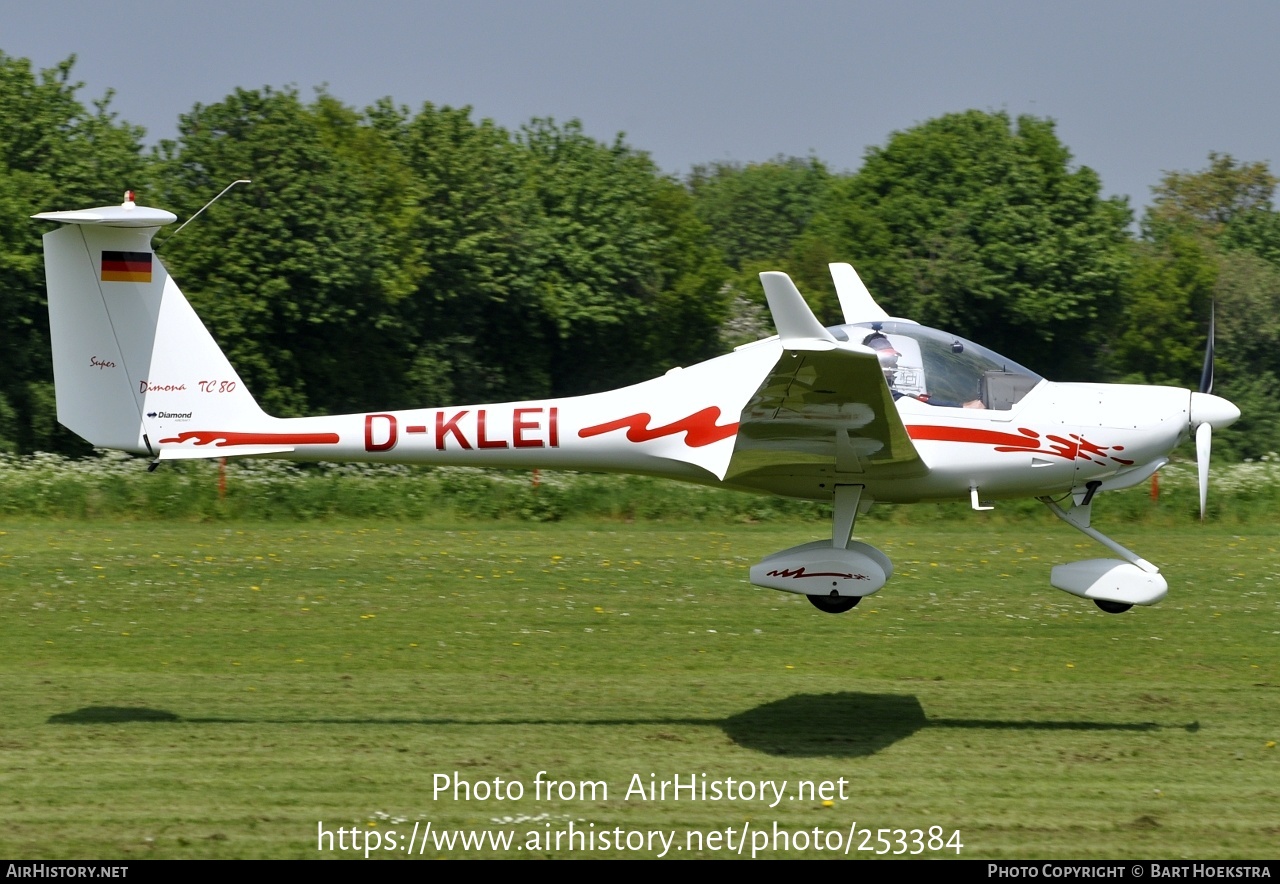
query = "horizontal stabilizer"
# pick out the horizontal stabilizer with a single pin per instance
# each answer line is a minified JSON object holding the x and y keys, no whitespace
{"x":128,"y":215}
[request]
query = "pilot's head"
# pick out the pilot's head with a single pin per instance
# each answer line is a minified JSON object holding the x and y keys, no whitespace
{"x":885,"y":352}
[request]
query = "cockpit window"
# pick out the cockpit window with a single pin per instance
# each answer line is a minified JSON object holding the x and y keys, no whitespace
{"x":943,"y":369}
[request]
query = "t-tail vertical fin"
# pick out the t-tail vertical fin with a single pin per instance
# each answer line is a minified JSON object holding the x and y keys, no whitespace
{"x":134,"y":367}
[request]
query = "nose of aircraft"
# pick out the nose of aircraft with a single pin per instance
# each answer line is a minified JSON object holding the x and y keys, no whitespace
{"x":1212,"y":410}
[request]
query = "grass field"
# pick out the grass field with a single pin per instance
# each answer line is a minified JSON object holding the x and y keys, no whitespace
{"x":223,"y":690}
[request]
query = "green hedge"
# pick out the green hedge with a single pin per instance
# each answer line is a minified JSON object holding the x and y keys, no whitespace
{"x":118,"y":486}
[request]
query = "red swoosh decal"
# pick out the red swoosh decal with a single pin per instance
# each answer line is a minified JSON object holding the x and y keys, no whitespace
{"x":1075,"y":448}
{"x":800,"y":572}
{"x":699,"y":428}
{"x":204,"y":437}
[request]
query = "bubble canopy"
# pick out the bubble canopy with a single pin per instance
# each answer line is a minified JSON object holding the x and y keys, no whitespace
{"x":942,"y":368}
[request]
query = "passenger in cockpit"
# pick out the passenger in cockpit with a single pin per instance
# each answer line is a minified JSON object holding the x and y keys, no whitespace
{"x":888,"y":357}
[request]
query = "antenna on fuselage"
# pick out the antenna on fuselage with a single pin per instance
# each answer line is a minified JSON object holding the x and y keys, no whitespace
{"x":202,"y":208}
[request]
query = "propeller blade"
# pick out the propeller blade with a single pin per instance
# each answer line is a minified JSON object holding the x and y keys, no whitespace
{"x":1204,"y":437}
{"x":1206,"y":373}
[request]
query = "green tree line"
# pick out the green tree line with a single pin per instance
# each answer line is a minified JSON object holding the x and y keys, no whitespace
{"x":393,"y":258}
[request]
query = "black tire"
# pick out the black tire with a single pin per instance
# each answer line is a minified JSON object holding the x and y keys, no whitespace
{"x":834,"y":604}
{"x":1112,"y":607}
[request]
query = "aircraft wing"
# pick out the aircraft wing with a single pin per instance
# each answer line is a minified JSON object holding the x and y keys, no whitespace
{"x":823,"y":415}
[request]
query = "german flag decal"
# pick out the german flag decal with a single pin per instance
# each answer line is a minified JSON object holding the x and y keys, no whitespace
{"x":126,"y":266}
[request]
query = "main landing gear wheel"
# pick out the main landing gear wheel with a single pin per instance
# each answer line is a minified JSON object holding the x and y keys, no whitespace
{"x":834,"y":603}
{"x":1112,"y":607}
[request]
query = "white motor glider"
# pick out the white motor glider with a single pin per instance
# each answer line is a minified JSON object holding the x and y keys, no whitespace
{"x":876,"y":409}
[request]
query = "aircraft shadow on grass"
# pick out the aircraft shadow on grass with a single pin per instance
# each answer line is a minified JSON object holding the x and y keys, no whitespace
{"x":852,"y":725}
{"x":841,"y":725}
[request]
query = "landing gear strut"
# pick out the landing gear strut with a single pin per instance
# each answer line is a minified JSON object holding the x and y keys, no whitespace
{"x":835,"y":574}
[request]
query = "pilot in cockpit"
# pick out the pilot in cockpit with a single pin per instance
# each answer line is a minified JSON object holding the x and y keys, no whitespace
{"x":888,"y":356}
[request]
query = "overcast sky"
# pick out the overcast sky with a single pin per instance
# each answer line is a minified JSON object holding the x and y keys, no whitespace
{"x":1136,"y":88}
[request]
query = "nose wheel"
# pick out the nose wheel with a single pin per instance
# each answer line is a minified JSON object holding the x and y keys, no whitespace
{"x":1113,"y":585}
{"x":834,"y":603}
